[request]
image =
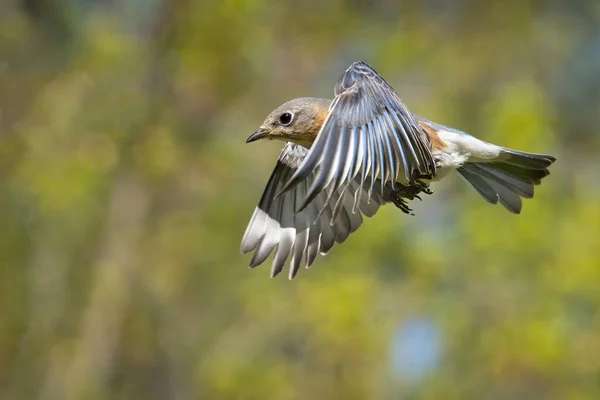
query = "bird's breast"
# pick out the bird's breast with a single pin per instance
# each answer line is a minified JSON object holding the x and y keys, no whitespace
{"x":437,"y":144}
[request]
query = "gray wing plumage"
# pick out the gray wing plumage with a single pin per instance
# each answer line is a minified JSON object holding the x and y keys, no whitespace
{"x":331,"y":216}
{"x":368,"y":133}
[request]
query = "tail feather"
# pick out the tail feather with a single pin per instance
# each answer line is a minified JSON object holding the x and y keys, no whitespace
{"x":493,"y":174}
{"x":526,"y":160}
{"x":533,"y":176}
{"x":509,"y":199}
{"x":507,"y":178}
{"x":480,"y":185}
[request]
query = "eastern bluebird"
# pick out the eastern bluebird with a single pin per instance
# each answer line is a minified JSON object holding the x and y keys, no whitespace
{"x":348,"y":156}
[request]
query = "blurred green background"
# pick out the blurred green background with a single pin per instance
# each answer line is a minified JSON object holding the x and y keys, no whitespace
{"x":126,"y":187}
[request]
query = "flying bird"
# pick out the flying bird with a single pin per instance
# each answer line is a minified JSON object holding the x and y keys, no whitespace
{"x":344,"y":158}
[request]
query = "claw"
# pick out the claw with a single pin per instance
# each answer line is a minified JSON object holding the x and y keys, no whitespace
{"x":400,"y":203}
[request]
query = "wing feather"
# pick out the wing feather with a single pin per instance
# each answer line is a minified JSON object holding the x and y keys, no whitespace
{"x":277,"y":227}
{"x":390,"y":138}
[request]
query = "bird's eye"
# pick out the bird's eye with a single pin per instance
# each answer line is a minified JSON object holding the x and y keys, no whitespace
{"x":286,"y":118}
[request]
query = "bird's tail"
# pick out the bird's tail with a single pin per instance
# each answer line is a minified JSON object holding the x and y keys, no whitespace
{"x":507,"y":178}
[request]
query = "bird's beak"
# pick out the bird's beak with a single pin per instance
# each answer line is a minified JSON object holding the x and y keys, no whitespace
{"x":259,"y":134}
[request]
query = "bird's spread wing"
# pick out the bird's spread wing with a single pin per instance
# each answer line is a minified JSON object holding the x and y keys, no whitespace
{"x":275,"y":223}
{"x":368,"y":133}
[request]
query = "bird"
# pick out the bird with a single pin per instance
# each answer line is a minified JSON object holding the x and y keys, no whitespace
{"x":346,"y":157}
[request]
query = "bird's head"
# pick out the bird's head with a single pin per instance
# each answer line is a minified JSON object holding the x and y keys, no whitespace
{"x":296,"y":121}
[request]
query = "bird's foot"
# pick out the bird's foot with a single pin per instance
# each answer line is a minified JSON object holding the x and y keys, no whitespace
{"x":423,"y":186}
{"x":400,"y":202}
{"x":400,"y":195}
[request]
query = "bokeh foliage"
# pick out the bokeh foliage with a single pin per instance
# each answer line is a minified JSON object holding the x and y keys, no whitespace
{"x":126,"y":187}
